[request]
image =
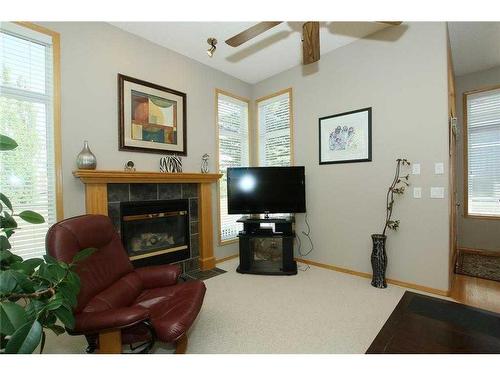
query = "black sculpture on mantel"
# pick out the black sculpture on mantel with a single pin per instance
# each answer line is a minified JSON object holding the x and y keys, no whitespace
{"x":379,"y":256}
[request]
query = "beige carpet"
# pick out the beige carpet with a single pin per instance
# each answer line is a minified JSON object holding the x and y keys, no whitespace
{"x":317,"y":311}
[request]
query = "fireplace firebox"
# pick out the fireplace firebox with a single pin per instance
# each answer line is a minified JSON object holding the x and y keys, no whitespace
{"x":156,"y":232}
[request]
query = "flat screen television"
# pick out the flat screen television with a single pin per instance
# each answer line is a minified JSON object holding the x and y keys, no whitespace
{"x":257,"y":190}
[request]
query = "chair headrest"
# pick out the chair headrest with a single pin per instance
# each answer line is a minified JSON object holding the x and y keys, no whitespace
{"x":66,"y":238}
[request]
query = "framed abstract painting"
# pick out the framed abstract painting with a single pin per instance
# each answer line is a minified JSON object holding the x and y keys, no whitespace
{"x":346,"y":137}
{"x":152,"y":118}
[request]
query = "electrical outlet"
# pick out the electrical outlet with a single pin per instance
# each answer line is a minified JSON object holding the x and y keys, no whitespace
{"x":417,"y":192}
{"x":437,"y":192}
{"x":439,"y":168}
{"x":415,"y":168}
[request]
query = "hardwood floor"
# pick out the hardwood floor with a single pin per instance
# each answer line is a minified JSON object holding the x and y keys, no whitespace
{"x":476,"y":292}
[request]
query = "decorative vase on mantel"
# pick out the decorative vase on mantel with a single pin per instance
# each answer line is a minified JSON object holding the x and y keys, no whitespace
{"x":379,"y":260}
{"x":86,"y":159}
{"x":204,"y":163}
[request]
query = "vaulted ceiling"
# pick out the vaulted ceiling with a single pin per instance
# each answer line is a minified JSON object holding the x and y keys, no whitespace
{"x":475,"y":46}
{"x":270,"y":53}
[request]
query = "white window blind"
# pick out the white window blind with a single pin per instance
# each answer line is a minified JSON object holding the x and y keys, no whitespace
{"x":27,"y":174}
{"x":483,"y":151}
{"x":274,"y":131}
{"x":232,"y":115}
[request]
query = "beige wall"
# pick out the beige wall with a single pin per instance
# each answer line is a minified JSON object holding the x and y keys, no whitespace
{"x":403,"y":77}
{"x":473,"y":233}
{"x":92,"y":54}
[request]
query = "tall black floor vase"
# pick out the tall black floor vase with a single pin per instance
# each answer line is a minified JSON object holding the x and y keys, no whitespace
{"x":379,"y":261}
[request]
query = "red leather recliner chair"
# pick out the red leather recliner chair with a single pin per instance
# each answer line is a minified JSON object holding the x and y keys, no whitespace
{"x":143,"y":304}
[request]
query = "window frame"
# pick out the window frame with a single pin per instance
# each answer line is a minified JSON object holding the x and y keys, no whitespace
{"x":56,"y":110}
{"x":218,"y":92}
{"x":465,"y":139}
{"x":288,"y":90}
{"x":52,"y":101}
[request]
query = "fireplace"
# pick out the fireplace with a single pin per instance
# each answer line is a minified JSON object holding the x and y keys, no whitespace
{"x":105,"y":190}
{"x":155,"y":232}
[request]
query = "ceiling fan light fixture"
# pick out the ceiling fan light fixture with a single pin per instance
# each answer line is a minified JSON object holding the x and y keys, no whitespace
{"x":211,"y":50}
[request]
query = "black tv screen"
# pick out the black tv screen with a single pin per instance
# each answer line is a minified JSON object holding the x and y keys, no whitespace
{"x":257,"y":190}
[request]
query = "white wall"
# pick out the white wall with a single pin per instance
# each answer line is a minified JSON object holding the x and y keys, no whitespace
{"x":402,"y":75}
{"x":473,"y":233}
{"x":92,"y":54}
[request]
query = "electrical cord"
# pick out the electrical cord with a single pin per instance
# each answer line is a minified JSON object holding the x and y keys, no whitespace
{"x":299,"y":248}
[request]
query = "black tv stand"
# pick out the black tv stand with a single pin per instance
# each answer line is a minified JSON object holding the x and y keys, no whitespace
{"x":264,"y":251}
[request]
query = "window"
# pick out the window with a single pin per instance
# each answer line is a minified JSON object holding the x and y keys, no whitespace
{"x":232,"y":125}
{"x":28,"y":110}
{"x":482,"y":150}
{"x":274,"y":116}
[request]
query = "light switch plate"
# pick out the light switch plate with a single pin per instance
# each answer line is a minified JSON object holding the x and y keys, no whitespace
{"x":439,"y":168}
{"x":417,"y":192}
{"x":437,"y":192}
{"x":415,"y":168}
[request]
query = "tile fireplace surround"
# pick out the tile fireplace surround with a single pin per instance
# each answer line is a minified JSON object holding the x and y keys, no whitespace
{"x":104,"y":188}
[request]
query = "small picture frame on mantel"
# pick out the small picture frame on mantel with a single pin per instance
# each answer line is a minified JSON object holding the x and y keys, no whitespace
{"x":152,"y":118}
{"x":346,"y":137}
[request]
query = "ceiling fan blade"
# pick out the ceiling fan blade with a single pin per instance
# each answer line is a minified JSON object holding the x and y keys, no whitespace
{"x":310,"y":42}
{"x":391,"y":23}
{"x":251,"y":32}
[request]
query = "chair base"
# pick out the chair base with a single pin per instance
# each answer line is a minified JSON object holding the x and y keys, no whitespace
{"x":181,"y":345}
{"x":92,"y":344}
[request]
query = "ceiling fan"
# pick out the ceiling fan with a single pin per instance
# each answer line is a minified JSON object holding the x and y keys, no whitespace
{"x":310,"y":37}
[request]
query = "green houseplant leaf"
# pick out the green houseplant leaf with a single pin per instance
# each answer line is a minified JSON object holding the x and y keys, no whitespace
{"x":49,"y":259}
{"x":14,"y":281}
{"x":69,"y":292}
{"x":33,"y":308}
{"x":32,"y":217}
{"x":4,"y":244}
{"x":7,"y":257}
{"x":52,"y":272}
{"x":7,"y":143}
{"x":82,"y":254}
{"x":8,"y":222}
{"x":28,"y":266}
{"x":8,"y":282}
{"x":54,"y":303}
{"x":65,"y":316}
{"x":12,"y":316}
{"x":25,"y":339}
{"x":6,"y":201}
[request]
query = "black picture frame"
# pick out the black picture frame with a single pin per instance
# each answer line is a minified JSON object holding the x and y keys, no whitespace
{"x":369,"y":130}
{"x":121,"y":117}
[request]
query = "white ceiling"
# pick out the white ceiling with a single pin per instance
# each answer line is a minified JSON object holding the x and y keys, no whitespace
{"x":475,"y":46}
{"x":270,"y":53}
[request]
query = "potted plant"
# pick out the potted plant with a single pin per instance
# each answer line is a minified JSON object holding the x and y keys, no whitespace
{"x":379,"y":256}
{"x":34,"y":293}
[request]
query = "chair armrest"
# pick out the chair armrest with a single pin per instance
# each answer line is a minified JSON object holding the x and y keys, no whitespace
{"x":93,"y":322}
{"x":158,"y":276}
